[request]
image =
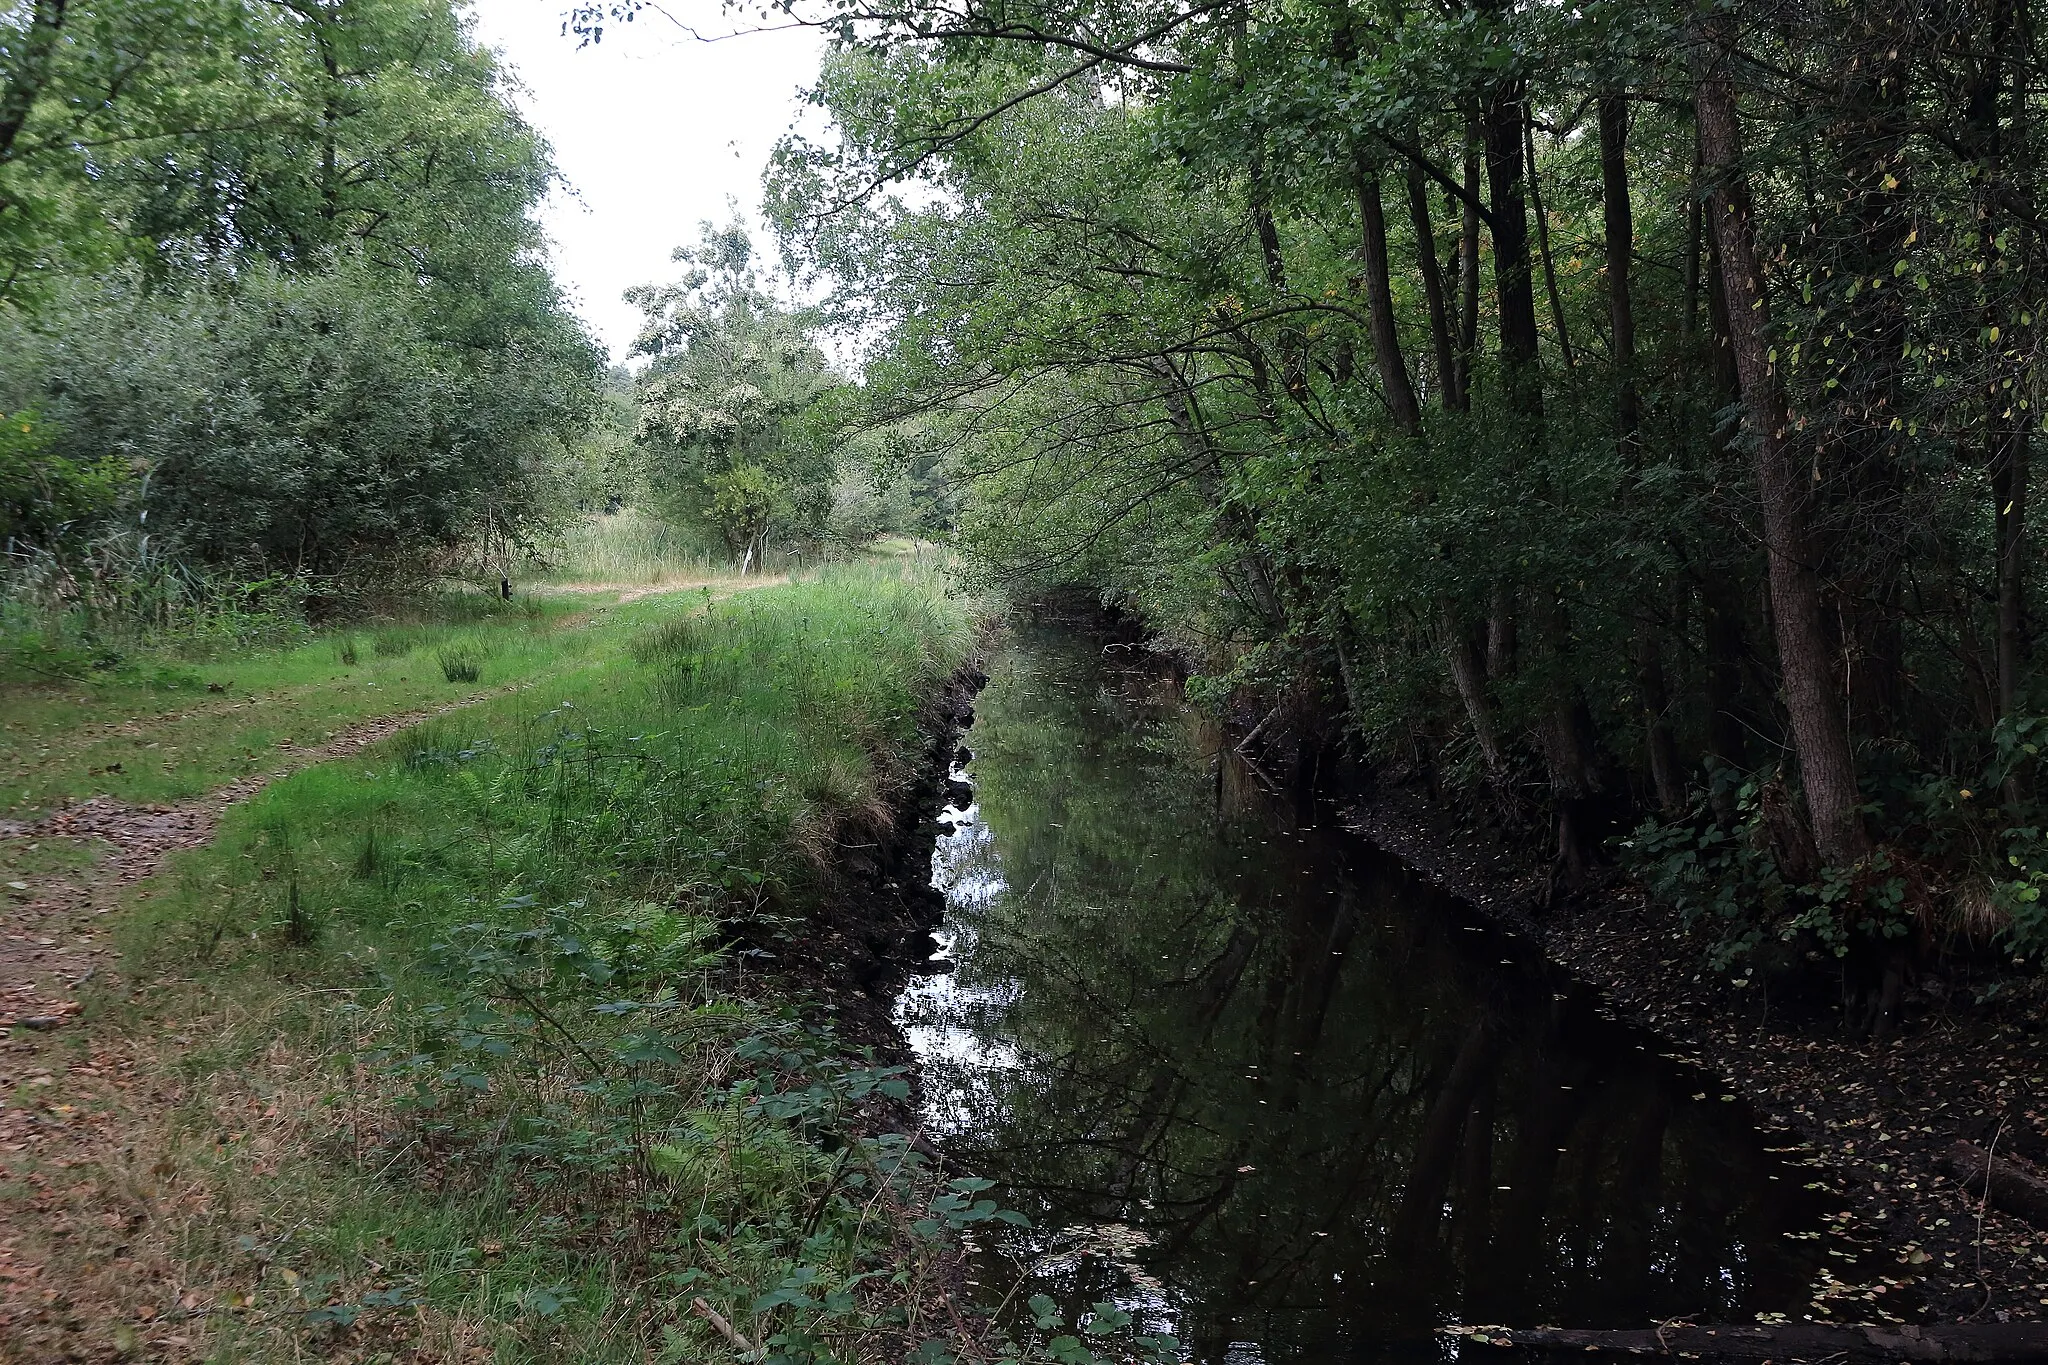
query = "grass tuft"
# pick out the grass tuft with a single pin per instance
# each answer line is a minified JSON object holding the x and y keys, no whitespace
{"x":460,"y":664}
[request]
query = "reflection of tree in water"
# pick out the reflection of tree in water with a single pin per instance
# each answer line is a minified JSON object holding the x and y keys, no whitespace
{"x":1336,"y":1124}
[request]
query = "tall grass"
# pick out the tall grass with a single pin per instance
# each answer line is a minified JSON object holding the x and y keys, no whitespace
{"x":626,"y":547}
{"x":67,"y":616}
{"x":522,"y":906}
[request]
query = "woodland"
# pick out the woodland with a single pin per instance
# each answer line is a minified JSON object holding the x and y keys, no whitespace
{"x":1618,"y":414}
{"x":279,"y":337}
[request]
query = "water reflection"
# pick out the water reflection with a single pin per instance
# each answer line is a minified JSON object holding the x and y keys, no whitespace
{"x":1268,"y":1092}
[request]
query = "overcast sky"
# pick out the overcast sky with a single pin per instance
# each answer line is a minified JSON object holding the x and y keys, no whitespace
{"x":654,"y":131}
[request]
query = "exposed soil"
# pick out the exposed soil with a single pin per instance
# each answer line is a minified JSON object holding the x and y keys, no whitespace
{"x":1876,"y":1120}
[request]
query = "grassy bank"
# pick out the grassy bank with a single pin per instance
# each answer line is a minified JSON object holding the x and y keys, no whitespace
{"x":478,"y":1045}
{"x":465,"y":1058}
{"x":519,"y":911}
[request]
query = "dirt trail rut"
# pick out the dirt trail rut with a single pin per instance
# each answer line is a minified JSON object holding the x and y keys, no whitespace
{"x":53,"y":943}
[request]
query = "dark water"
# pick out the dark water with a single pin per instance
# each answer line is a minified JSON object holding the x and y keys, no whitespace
{"x":1257,"y":1085}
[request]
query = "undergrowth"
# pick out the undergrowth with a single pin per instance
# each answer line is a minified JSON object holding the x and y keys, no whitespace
{"x":1959,"y":867}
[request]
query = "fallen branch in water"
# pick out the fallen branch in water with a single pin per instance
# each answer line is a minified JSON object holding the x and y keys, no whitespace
{"x":2007,"y":1343}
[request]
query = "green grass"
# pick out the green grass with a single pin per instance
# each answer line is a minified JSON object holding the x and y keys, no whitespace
{"x":160,"y":729}
{"x":542,"y":1107}
{"x":673,"y":751}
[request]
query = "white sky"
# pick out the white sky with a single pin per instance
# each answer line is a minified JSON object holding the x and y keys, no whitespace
{"x":654,"y":132}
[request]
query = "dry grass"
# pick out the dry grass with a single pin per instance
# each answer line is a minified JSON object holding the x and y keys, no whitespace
{"x":152,"y":1212}
{"x":631,"y":548}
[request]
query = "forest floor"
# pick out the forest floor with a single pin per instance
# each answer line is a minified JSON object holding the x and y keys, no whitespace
{"x":153,"y":1112}
{"x":1875,"y":1120}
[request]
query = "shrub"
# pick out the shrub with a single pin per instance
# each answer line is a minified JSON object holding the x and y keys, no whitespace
{"x":317,"y":423}
{"x":48,"y":499}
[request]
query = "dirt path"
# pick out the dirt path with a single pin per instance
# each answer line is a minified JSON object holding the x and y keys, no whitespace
{"x":51,"y":944}
{"x":101,"y":1200}
{"x":86,"y":1188}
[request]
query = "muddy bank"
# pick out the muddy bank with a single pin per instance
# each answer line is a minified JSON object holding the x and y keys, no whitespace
{"x":1877,"y":1121}
{"x":868,"y":922}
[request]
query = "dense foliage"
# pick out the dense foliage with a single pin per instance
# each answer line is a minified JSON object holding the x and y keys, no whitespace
{"x":275,"y":264}
{"x":1616,"y":408}
{"x":746,"y":436}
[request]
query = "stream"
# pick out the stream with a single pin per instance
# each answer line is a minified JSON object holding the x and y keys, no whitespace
{"x":1259,"y":1086}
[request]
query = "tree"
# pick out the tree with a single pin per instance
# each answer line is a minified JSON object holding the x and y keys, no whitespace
{"x":279,"y":260}
{"x":1744,"y":472}
{"x":728,"y":401}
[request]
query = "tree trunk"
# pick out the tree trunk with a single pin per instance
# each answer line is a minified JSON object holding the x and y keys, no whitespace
{"x":2004,"y":422}
{"x":1689,"y":287}
{"x":38,"y":58}
{"x":1667,"y":773}
{"x":1619,"y":218}
{"x":1449,"y":381}
{"x":1468,"y":273}
{"x":1564,"y":336}
{"x":1799,"y":612}
{"x":2016,"y":1187}
{"x":1379,"y":303}
{"x":1468,"y":672}
{"x":1513,"y":282}
{"x":1861,"y":448}
{"x":1406,"y":411}
{"x":1501,"y":640}
{"x":2009,"y":494}
{"x":1721,"y":635}
{"x":1563,"y":726}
